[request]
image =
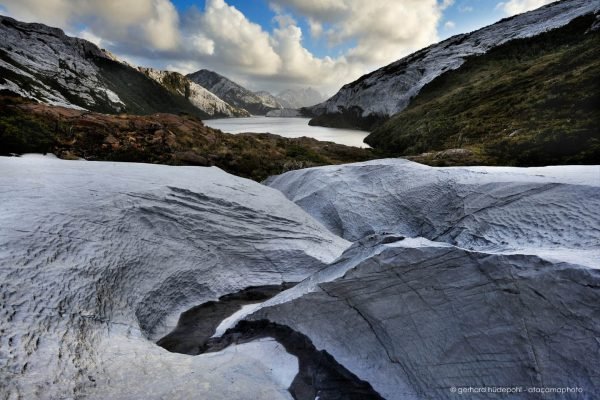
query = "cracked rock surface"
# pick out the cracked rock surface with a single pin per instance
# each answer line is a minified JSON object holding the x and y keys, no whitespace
{"x":415,"y":319}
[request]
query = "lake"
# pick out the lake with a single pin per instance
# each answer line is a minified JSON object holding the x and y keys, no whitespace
{"x":288,"y":127}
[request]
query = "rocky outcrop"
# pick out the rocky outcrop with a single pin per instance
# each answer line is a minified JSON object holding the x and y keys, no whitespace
{"x":196,"y":94}
{"x":98,"y":259}
{"x":375,"y":97}
{"x":494,"y":301}
{"x":233,"y":93}
{"x":550,"y":211}
{"x":44,"y":64}
{"x":422,"y":320}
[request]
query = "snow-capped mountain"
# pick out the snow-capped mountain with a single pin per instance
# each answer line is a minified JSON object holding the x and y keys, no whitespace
{"x":196,"y":94}
{"x":297,"y":98}
{"x":388,"y":90}
{"x":257,"y":103}
{"x":42,"y":63}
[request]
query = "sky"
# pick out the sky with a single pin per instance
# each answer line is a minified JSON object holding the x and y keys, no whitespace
{"x":267,"y":44}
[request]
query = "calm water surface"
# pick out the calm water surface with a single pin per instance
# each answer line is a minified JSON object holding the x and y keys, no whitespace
{"x":289,"y":127}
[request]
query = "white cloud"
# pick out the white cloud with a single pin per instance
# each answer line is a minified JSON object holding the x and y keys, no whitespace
{"x":316,"y":28}
{"x":513,"y":7}
{"x":449,"y":25}
{"x":446,"y":3}
{"x":237,"y":41}
{"x":91,"y":37}
{"x":465,"y":9}
{"x":220,"y":37}
{"x":384,"y":30}
{"x":151,"y":23}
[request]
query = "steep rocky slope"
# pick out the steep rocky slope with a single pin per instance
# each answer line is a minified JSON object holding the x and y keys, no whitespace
{"x":44,"y":64}
{"x":233,"y":93}
{"x":533,"y":101}
{"x":97,"y":259}
{"x":375,"y":97}
{"x":158,"y":138}
{"x":196,"y":94}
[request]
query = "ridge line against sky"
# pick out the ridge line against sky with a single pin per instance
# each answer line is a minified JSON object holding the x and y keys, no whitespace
{"x":267,"y":44}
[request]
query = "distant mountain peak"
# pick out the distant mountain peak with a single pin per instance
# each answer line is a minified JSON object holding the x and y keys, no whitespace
{"x":298,"y":98}
{"x":195,"y":93}
{"x":234,"y":93}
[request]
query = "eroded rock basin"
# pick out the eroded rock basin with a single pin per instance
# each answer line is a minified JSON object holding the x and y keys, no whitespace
{"x":198,"y":324}
{"x":212,"y":327}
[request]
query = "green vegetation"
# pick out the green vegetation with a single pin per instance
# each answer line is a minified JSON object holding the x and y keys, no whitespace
{"x":141,"y":94}
{"x":159,"y":138}
{"x":20,"y":132}
{"x":528,"y":102}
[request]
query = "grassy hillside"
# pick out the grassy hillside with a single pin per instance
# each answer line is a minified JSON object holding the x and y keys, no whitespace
{"x":528,"y":102}
{"x":159,"y":138}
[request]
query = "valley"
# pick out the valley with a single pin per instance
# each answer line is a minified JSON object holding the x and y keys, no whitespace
{"x":184,"y":214}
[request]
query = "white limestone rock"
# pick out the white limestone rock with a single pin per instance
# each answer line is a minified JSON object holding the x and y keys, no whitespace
{"x":550,"y":211}
{"x":416,"y":319}
{"x":97,"y":259}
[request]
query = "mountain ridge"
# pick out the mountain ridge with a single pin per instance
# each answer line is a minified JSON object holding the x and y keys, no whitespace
{"x":528,"y":102}
{"x":374,"y":97}
{"x":196,"y":94}
{"x":233,"y":93}
{"x":44,"y":64}
{"x":298,"y":98}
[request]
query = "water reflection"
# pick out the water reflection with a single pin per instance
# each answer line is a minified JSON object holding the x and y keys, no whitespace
{"x":289,"y":127}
